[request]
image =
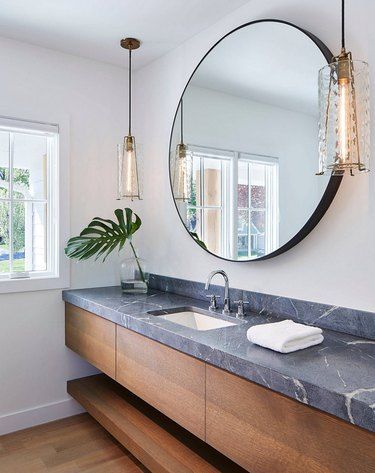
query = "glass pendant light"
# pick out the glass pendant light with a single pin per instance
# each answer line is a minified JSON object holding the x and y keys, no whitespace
{"x":344,"y":113}
{"x":128,"y":176}
{"x":182,"y":165}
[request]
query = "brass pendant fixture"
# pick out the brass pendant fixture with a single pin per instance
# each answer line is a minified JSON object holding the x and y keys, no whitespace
{"x":182,"y":165}
{"x":128,"y":171}
{"x":344,"y":121}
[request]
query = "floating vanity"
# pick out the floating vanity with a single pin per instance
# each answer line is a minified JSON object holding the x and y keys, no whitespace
{"x":265,"y":411}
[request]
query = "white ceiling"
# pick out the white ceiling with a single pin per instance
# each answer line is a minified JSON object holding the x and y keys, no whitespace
{"x":93,"y":28}
{"x":267,"y":62}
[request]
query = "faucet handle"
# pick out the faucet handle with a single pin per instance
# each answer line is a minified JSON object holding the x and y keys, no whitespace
{"x":213,"y":301}
{"x":241,"y":307}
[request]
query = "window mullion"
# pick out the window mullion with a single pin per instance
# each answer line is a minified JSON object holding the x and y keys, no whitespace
{"x":11,"y":156}
{"x":249,"y":214}
{"x":203,"y":235}
{"x":233,"y":216}
{"x":33,"y":201}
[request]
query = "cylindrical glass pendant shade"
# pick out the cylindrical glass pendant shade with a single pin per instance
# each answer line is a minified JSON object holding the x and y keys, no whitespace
{"x":182,"y":173}
{"x":128,"y":173}
{"x":344,"y":117}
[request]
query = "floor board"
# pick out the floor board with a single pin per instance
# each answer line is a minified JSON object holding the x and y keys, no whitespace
{"x":73,"y":445}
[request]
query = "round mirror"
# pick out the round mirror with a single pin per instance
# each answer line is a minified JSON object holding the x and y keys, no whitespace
{"x":244,"y":143}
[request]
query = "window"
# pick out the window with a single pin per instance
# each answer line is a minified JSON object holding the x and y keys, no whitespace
{"x":234,"y":202}
{"x":257,"y":199}
{"x":207,"y":211}
{"x":28,"y":199}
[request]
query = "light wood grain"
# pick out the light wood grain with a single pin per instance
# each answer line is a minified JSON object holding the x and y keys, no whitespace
{"x":92,"y":337}
{"x":259,"y":429}
{"x":266,"y":432}
{"x":152,"y":438}
{"x":172,"y":382}
{"x":74,"y":445}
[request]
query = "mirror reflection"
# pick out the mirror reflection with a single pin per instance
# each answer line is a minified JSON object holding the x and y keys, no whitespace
{"x":244,"y":142}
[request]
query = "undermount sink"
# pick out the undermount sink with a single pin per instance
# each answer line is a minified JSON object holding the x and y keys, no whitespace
{"x":193,"y":319}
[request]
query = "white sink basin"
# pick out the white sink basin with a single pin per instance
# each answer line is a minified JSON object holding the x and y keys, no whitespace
{"x":196,"y":320}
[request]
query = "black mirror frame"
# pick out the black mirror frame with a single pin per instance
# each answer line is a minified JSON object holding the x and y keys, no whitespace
{"x":332,"y":186}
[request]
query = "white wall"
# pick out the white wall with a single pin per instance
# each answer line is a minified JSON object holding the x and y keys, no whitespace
{"x":34,"y":363}
{"x":223,"y":121}
{"x":336,"y":262}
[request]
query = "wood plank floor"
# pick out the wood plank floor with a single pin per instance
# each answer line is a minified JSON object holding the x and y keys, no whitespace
{"x":73,"y":445}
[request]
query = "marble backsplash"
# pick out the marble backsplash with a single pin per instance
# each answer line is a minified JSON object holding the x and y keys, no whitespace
{"x":351,"y":321}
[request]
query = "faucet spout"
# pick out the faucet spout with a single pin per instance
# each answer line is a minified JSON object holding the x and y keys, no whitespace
{"x":226,"y":308}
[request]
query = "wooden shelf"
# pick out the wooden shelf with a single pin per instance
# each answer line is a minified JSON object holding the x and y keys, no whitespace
{"x":156,"y":441}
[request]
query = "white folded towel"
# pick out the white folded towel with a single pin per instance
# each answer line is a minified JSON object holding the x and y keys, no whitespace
{"x":285,"y":336}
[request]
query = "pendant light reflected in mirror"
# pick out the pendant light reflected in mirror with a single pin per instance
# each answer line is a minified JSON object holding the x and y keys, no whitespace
{"x":344,"y":115}
{"x":128,"y":172}
{"x":183,"y":165}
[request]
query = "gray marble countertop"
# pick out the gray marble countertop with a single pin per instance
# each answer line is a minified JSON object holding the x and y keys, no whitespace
{"x":337,"y":376}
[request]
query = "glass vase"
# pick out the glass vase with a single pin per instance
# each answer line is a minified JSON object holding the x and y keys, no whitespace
{"x":134,"y":279}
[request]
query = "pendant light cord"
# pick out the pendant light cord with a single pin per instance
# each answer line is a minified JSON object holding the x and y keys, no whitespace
{"x":343,"y":24}
{"x":182,"y":122}
{"x":130,"y":91}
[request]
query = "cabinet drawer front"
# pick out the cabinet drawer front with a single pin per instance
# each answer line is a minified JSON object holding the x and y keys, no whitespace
{"x":172,"y":382}
{"x":264,"y":431}
{"x":92,"y":337}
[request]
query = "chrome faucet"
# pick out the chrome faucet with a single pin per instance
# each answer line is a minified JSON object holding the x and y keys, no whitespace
{"x":226,"y":308}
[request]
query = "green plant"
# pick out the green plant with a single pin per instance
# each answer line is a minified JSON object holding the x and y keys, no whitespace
{"x":102,"y":236}
{"x":22,"y":178}
{"x":198,"y":240}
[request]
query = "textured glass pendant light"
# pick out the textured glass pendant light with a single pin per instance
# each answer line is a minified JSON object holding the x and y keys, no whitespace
{"x":182,"y":165}
{"x":344,"y":121}
{"x":128,"y":175}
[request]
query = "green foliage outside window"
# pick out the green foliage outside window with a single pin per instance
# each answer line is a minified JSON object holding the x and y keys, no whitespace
{"x":21,"y":177}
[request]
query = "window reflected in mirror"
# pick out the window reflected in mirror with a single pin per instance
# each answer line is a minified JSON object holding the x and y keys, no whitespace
{"x":233,"y":204}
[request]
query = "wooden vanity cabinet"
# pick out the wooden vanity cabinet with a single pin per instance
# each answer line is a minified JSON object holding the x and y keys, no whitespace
{"x":92,"y":337}
{"x":265,"y":432}
{"x":172,"y":382}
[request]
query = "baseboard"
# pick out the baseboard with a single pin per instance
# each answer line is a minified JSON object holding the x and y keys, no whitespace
{"x":39,"y":415}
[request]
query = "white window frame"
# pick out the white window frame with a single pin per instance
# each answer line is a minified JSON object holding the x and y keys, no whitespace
{"x":223,"y":156}
{"x":57,"y":275}
{"x":229,"y":185}
{"x":272,"y":199}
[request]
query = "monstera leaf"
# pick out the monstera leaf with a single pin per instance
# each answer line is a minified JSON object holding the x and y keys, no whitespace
{"x":198,"y":240}
{"x":102,"y":236}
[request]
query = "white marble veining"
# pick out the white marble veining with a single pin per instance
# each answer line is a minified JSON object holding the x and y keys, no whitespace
{"x":337,"y":377}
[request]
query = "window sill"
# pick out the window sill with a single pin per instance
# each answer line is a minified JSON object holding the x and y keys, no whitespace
{"x":36,"y":283}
